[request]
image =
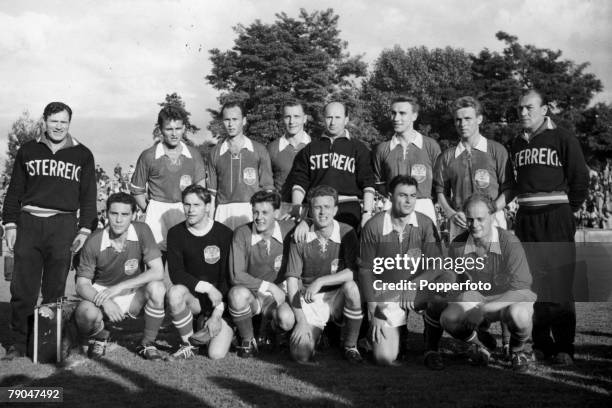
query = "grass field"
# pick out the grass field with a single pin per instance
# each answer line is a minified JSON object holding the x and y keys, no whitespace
{"x":123,"y":379}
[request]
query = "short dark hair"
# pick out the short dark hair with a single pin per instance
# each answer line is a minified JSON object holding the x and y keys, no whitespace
{"x":122,"y":198}
{"x":291,"y":103}
{"x":466,"y":102}
{"x":202,"y":193}
{"x":344,"y":105}
{"x":402,"y":179}
{"x":169,"y":113}
{"x":480,"y":198}
{"x":407,"y":99}
{"x":56,"y":107}
{"x":323,"y":191}
{"x":233,"y":104}
{"x":536,"y":91}
{"x":267,"y":196}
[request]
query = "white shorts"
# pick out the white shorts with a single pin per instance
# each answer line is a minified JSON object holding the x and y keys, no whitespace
{"x":266,"y":300}
{"x":326,"y":306}
{"x":123,"y":301}
{"x":423,"y":205}
{"x":499,"y":221}
{"x":234,"y":215}
{"x":160,"y":217}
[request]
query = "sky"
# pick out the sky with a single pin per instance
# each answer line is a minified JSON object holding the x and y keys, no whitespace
{"x":114,"y":61}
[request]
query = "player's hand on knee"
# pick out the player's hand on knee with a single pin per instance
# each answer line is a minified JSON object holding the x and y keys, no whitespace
{"x":277,"y":293}
{"x":301,"y":232}
{"x":11,"y":237}
{"x":376,"y":330}
{"x":106,"y":294}
{"x":113,"y":311}
{"x":459,"y":219}
{"x":301,"y":334}
{"x":215,"y":296}
{"x":213,"y":325}
{"x":78,"y":242}
{"x":312,"y":290}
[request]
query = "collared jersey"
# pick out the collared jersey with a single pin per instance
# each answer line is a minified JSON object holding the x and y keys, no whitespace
{"x":254,"y":259}
{"x":416,"y":160}
{"x":315,"y":257}
{"x":282,"y":154}
{"x":101,"y":263}
{"x":163,"y":178}
{"x":237,"y":177}
{"x":459,"y":174}
{"x":505,"y":264}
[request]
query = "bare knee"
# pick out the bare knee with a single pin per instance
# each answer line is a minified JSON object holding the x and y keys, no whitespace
{"x":285,"y":317}
{"x":451,"y":319}
{"x":176,"y":298}
{"x":155,"y":292}
{"x":384,"y":356}
{"x":86,"y":314}
{"x":238,"y":297}
{"x":302,"y":353}
{"x":519,"y":315}
{"x":351,"y":293}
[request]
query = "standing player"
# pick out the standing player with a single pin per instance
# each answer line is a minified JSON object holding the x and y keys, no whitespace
{"x":240,"y":167}
{"x":112,"y":282}
{"x":198,"y":253}
{"x":284,"y":149}
{"x":475,"y":165}
{"x":397,"y":231}
{"x":407,"y":153}
{"x":510,"y":299}
{"x":321,"y":280}
{"x":53,"y":178}
{"x":339,"y":161}
{"x":551,"y":183}
{"x":163,"y":171}
{"x":257,"y":266}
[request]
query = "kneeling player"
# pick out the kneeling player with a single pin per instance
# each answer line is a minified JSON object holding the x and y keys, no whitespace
{"x":257,"y":269}
{"x":398,"y":231}
{"x":112,"y":282}
{"x":320,"y":279}
{"x":198,"y":251}
{"x":510,"y":299}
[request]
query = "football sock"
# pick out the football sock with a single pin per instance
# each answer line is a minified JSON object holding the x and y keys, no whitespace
{"x":153,"y":320}
{"x":244,"y":323}
{"x":183,"y":321}
{"x":432,"y":331}
{"x":352,"y":323}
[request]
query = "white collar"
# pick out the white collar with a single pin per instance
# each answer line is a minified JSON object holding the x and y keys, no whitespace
{"x":388,"y":225}
{"x":335,"y":235}
{"x":106,"y":242}
{"x":277,"y":234}
{"x":248,"y":144}
{"x":470,"y":245}
{"x":159,"y":150}
{"x":418,"y":141}
{"x":301,"y":137}
{"x":480,"y":145}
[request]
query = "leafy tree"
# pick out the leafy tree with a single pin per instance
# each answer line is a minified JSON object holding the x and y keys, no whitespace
{"x":595,"y":131}
{"x":293,"y":58}
{"x":23,"y":130}
{"x":175,"y":99}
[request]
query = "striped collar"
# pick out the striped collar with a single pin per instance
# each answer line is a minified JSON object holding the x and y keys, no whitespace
{"x":418,"y":141}
{"x":106,"y":242}
{"x":160,"y":151}
{"x":277,"y":234}
{"x":248,"y":144}
{"x":335,"y":235}
{"x":388,"y":224}
{"x":480,"y":145}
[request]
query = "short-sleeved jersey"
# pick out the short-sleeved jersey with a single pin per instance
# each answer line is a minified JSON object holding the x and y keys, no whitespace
{"x":315,"y":258}
{"x":417,"y":160}
{"x":164,"y":179}
{"x":505,"y":264}
{"x":459,"y":174}
{"x":236,"y":177}
{"x":192,"y":258}
{"x":254,"y":259}
{"x":101,"y":263}
{"x":282,"y":153}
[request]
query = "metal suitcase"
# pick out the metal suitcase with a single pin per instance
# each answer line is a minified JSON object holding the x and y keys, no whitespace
{"x":54,"y":331}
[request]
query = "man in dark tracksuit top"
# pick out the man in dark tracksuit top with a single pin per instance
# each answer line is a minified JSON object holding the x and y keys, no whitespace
{"x":53,"y":177}
{"x":551,"y":183}
{"x":340,"y":161}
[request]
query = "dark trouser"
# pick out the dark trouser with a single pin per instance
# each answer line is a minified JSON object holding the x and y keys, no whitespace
{"x":43,"y":244}
{"x":547,"y":234}
{"x":349,"y":212}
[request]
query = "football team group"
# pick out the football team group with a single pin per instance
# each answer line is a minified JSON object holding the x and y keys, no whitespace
{"x":290,"y":232}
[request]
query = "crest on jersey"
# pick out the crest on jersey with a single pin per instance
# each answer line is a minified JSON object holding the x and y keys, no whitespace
{"x":482,"y":178}
{"x":212,"y":254}
{"x":249,"y":175}
{"x":334,"y":266}
{"x":278,"y":261}
{"x":130,"y":266}
{"x":185,"y":181}
{"x":419,"y":172}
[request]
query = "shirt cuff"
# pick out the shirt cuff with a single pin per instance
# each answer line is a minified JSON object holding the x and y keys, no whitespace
{"x":10,"y":225}
{"x":263,"y":288}
{"x":85,"y":231}
{"x":202,"y":287}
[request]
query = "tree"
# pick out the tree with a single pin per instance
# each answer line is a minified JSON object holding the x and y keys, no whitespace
{"x":23,"y":130}
{"x":595,"y":131}
{"x":175,"y":99}
{"x":293,"y":58}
